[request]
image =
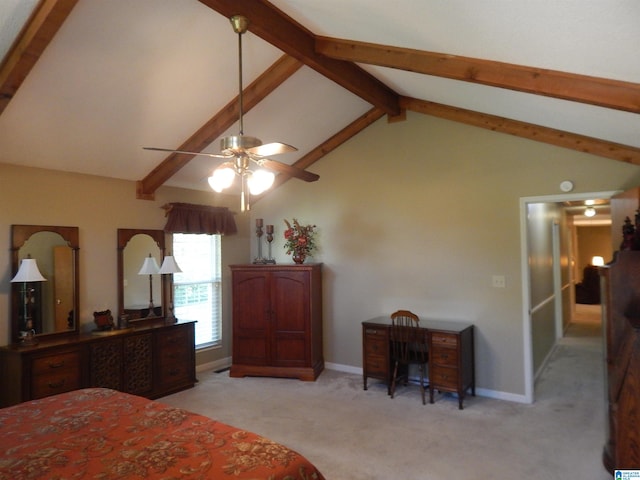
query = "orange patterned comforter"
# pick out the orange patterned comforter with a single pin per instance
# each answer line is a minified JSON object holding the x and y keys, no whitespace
{"x":103,"y":434}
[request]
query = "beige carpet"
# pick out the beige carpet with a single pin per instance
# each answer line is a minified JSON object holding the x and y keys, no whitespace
{"x":350,"y":434}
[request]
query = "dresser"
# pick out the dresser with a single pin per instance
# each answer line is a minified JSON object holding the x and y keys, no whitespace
{"x":149,"y":361}
{"x":621,"y":326}
{"x":277,"y":321}
{"x":451,"y":355}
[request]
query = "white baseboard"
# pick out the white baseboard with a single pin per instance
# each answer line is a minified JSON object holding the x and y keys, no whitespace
{"x":482,"y":392}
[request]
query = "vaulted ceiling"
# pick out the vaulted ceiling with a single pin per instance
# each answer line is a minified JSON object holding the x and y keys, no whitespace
{"x":88,"y":83}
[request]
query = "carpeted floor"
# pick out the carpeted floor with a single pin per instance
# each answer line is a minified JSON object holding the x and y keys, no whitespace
{"x":352,"y":434}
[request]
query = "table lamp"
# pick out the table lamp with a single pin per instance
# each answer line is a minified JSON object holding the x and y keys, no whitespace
{"x":28,"y":272}
{"x":150,"y":267}
{"x":169,"y":267}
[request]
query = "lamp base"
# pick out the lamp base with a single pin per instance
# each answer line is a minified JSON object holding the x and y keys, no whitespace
{"x":29,"y":338}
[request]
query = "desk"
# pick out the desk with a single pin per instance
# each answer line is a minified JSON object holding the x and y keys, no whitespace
{"x":451,"y":355}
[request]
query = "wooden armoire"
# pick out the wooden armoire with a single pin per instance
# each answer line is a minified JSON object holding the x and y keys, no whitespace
{"x":620,"y":283}
{"x":277,"y":321}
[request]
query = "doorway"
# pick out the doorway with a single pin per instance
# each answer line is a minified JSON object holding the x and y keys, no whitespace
{"x":548,"y":291}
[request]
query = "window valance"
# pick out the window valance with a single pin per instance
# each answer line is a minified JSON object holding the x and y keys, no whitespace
{"x":191,"y":218}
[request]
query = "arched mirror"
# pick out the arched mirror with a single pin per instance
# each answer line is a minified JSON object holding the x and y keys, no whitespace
{"x":48,"y":303}
{"x":140,"y":286}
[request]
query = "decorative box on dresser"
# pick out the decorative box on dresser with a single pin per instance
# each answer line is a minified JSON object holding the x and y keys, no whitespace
{"x":150,"y":361}
{"x":277,"y":321}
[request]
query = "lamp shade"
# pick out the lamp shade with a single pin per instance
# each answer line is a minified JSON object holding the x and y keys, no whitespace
{"x":597,"y":261}
{"x":169,"y":265}
{"x":149,"y":267}
{"x":28,"y":272}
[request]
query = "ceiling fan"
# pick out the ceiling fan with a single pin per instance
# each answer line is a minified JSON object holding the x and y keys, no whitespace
{"x":241,"y":150}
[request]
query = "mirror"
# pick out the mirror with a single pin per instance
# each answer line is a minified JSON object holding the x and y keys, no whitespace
{"x":140,"y":296}
{"x":47,"y":307}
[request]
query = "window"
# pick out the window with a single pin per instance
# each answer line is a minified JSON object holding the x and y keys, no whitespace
{"x":198,"y":289}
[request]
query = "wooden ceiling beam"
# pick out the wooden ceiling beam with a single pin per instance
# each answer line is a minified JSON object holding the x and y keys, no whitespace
{"x":283,"y":32}
{"x":42,"y":26}
{"x":602,"y":92}
{"x":581,"y":143}
{"x":266,"y":83}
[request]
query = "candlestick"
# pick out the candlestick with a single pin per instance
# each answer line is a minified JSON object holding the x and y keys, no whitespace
{"x":270,"y":259}
{"x":259,"y":259}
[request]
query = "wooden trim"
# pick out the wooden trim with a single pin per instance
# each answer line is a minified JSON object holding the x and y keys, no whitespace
{"x":602,"y":92}
{"x":34,"y":38}
{"x":283,"y":32}
{"x":581,"y":143}
{"x":281,"y":70}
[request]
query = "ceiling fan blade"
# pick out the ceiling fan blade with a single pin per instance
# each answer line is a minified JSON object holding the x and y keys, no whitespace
{"x":269,"y":149}
{"x":289,"y":170}
{"x":214,"y":155}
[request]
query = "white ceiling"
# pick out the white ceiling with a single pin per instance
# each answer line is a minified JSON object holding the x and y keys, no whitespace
{"x":123,"y":74}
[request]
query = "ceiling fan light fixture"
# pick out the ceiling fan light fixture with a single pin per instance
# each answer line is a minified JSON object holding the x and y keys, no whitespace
{"x":222,"y":177}
{"x":260,"y":181}
{"x":589,"y":212}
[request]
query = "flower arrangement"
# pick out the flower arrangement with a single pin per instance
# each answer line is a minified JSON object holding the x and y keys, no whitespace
{"x":299,"y":239}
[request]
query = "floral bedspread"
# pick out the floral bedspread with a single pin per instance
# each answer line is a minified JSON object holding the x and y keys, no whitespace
{"x":103,"y":434}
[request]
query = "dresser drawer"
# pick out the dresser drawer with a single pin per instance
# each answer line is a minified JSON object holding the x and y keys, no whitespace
{"x":443,"y":377}
{"x":54,"y":383}
{"x":175,"y":374}
{"x":55,"y":363}
{"x":444,"y":356}
{"x":444,"y":339}
{"x":178,"y":337}
{"x":55,"y":374}
{"x":171,"y":357}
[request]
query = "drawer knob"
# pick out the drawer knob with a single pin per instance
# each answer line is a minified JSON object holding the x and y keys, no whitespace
{"x":56,"y":364}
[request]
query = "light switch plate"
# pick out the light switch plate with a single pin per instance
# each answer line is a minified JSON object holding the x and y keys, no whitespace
{"x":498,"y":281}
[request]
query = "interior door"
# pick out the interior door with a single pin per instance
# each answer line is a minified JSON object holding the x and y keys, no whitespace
{"x":290,"y":301}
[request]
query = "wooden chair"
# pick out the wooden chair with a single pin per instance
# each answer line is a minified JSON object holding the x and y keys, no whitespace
{"x":408,"y":347}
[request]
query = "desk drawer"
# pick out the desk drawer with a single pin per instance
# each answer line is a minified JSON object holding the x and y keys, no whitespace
{"x":444,"y":356}
{"x":444,"y":339}
{"x":443,"y":377}
{"x":377,"y":365}
{"x":376,"y":346}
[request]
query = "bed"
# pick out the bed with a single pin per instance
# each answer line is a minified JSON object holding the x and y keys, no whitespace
{"x":102,"y":434}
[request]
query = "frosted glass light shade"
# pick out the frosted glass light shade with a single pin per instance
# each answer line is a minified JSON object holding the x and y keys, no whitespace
{"x":260,"y":181}
{"x":597,"y":261}
{"x":28,"y":272}
{"x":222,"y":178}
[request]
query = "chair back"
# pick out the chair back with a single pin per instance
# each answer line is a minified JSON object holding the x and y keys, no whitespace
{"x":407,"y":340}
